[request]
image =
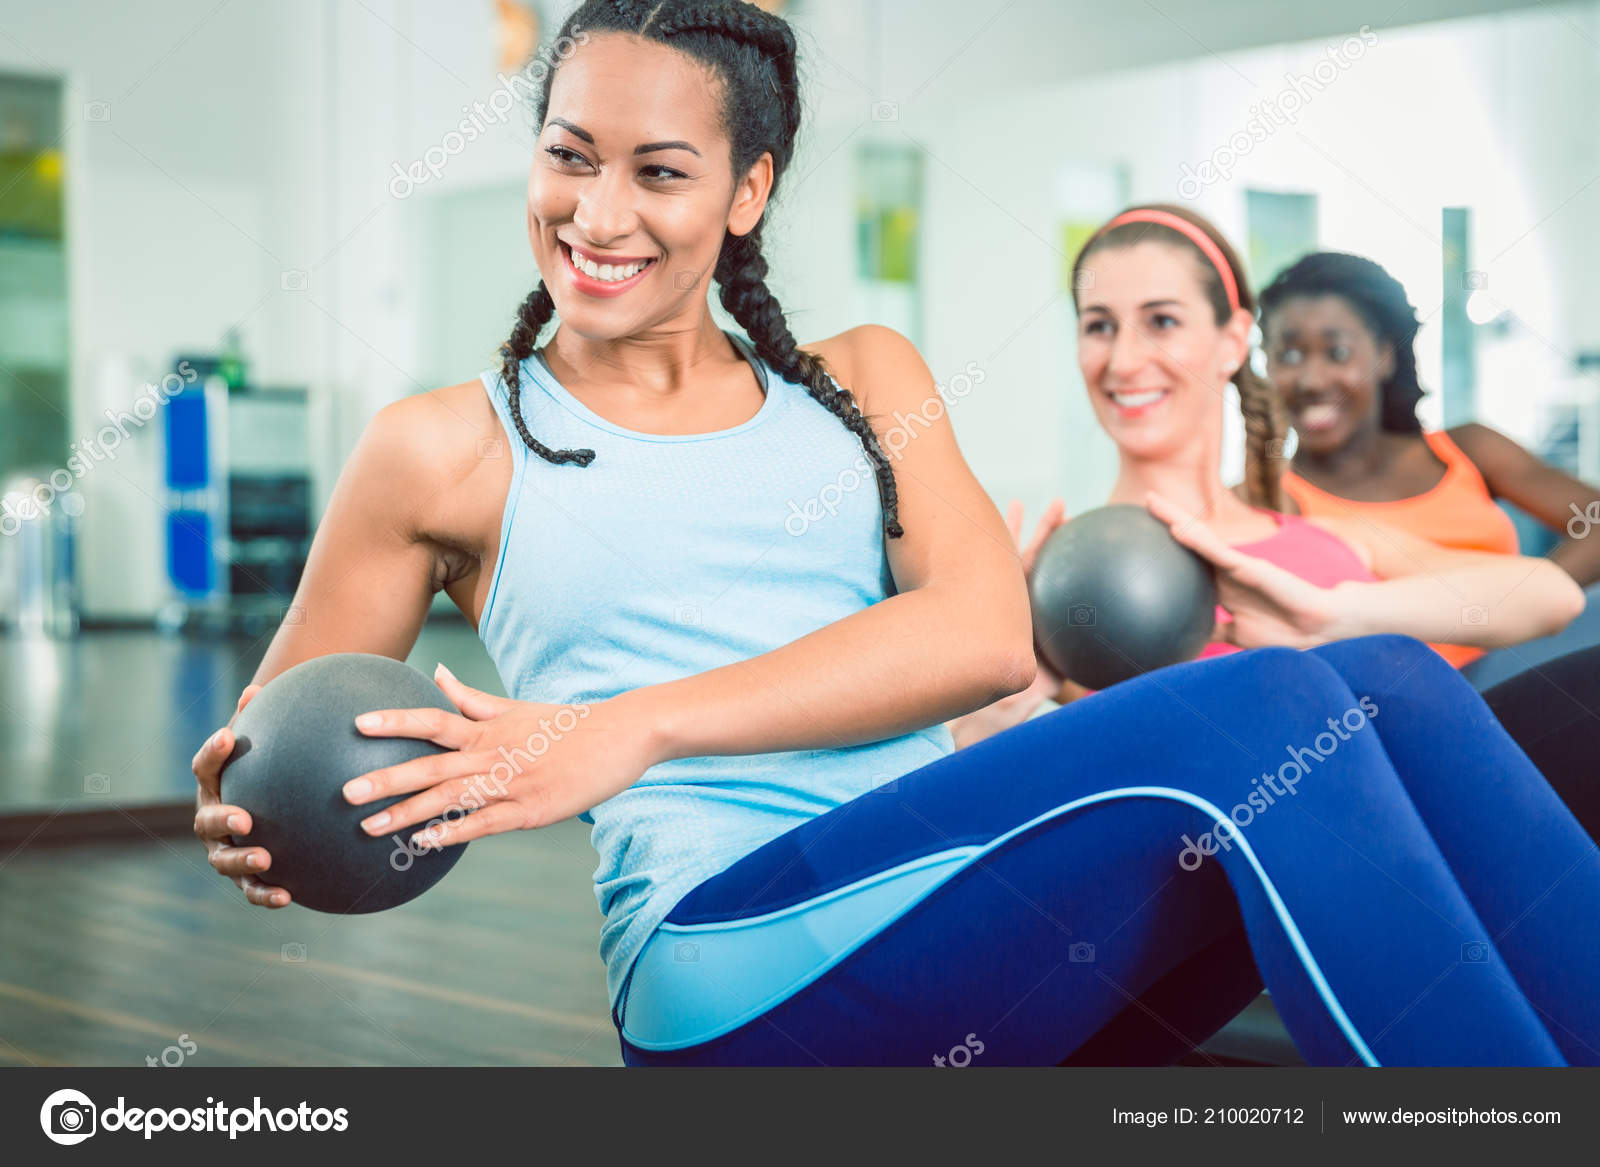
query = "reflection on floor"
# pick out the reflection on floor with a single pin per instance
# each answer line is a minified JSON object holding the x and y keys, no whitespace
{"x":114,"y":953}
{"x":112,"y":718}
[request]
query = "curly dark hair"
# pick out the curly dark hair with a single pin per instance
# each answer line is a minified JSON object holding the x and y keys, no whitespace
{"x":753,"y":53}
{"x":1380,"y":300}
{"x":1264,"y":427}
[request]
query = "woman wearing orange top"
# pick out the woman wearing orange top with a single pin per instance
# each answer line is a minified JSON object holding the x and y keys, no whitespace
{"x":1340,"y":343}
{"x":1166,"y":324}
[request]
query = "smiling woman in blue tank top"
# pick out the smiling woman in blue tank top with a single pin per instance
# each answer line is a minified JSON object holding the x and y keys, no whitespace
{"x":736,"y":611}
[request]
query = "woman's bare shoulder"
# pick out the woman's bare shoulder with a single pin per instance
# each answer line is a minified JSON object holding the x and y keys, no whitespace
{"x":444,"y":459}
{"x":872,"y":355}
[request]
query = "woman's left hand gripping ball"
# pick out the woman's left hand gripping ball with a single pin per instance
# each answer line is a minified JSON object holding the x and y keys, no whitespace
{"x":510,"y":765}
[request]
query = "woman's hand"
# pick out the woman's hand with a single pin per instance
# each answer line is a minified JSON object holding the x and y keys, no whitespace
{"x":1006,"y":712}
{"x":1047,"y":683}
{"x":1047,"y":680}
{"x":1055,"y":515}
{"x":1269,"y":605}
{"x":514,"y":764}
{"x":215,"y":822}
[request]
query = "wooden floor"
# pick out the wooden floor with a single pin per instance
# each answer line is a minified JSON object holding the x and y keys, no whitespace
{"x":112,"y":953}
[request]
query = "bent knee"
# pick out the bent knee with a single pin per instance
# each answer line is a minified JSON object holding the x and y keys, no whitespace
{"x":1251,"y":680}
{"x":1396,"y":654}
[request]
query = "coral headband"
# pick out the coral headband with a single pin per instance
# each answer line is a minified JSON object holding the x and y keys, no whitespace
{"x":1195,"y":235}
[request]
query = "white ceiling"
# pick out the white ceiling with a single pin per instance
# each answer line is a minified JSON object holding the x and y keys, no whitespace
{"x":937,"y":51}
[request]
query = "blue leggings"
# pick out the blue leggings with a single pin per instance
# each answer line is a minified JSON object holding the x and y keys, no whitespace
{"x":1110,"y":883}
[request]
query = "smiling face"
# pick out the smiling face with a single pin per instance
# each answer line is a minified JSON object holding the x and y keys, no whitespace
{"x":632,"y":187}
{"x":1151,"y":352}
{"x":1328,"y":370}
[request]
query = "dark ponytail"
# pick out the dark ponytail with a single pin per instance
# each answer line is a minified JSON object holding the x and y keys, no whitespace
{"x":753,"y":53}
{"x":1264,"y":429}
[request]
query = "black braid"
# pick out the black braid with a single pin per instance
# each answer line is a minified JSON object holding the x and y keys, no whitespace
{"x":532,"y":316}
{"x":742,"y":270}
{"x":753,"y":53}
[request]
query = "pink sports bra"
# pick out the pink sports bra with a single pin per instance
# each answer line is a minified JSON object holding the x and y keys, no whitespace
{"x":1306,"y":550}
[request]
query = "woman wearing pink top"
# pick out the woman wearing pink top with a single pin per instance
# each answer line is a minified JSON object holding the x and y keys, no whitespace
{"x":1164,"y":316}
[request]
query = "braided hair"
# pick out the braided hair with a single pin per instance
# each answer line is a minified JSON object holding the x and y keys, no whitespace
{"x":1264,"y":428}
{"x":1380,"y":301}
{"x":753,"y":53}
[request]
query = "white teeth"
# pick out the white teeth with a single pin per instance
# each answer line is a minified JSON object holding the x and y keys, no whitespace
{"x":1318,"y":416}
{"x":609,"y":273}
{"x":1135,"y":400}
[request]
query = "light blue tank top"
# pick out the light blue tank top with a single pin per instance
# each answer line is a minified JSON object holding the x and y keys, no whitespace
{"x":667,"y":556}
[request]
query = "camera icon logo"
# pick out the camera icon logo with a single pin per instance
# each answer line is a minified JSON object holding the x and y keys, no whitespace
{"x":1275,"y":448}
{"x":491,"y":448}
{"x":686,"y":279}
{"x":1475,"y":281}
{"x":293,"y":281}
{"x":1081,"y":615}
{"x":294,"y":953}
{"x":1476,"y":614}
{"x":686,"y":952}
{"x":1083,"y":281}
{"x":885,"y":111}
{"x":687,"y":614}
{"x":68,"y":1117}
{"x":1081,"y":953}
{"x":97,"y":784}
{"x":1474,"y":952}
{"x":97,"y":111}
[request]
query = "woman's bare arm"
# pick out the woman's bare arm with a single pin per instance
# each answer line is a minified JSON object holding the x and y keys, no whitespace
{"x":956,"y":636}
{"x":1563,"y":503}
{"x":409,"y":503}
{"x":1448,"y":596}
{"x":414,"y":500}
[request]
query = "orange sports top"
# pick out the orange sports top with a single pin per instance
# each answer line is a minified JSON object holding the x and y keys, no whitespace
{"x":1457,"y":512}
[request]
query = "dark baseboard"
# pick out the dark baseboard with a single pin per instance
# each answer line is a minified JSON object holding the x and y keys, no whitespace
{"x":90,"y":623}
{"x":104,"y":825}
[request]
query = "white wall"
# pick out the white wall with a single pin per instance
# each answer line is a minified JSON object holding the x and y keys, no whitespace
{"x":1489,"y":113}
{"x":250,"y":139}
{"x":166,"y":223}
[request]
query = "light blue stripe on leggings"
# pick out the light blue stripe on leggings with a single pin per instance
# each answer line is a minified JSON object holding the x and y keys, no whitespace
{"x":695,"y":982}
